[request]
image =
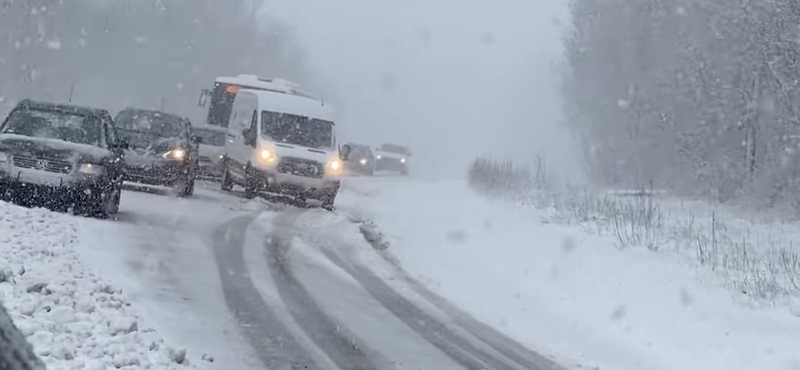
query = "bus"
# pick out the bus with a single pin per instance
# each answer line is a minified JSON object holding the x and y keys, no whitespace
{"x":225,"y":89}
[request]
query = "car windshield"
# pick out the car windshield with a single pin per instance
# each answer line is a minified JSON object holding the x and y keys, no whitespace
{"x":297,"y":130}
{"x":149,"y":124}
{"x":210,"y":137}
{"x":391,"y":148}
{"x":359,"y":150}
{"x":52,"y":124}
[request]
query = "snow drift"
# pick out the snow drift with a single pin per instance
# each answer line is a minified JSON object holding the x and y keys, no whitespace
{"x":73,"y":319}
{"x":567,"y":290}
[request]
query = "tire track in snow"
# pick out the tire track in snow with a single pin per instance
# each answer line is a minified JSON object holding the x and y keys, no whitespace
{"x":490,"y":336}
{"x":341,"y":346}
{"x":275,"y":346}
{"x":458,"y":348}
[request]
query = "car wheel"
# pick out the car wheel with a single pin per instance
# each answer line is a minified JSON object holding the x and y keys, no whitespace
{"x":116,"y":197}
{"x":226,"y":181}
{"x":251,"y":184}
{"x":328,"y":199}
{"x":97,"y":207}
{"x":188,"y":188}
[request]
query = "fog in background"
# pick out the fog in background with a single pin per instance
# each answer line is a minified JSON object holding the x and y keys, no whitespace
{"x":143,"y":53}
{"x":453,"y":79}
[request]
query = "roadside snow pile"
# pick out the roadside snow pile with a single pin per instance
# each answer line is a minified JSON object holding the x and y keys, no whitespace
{"x":70,"y":316}
{"x":567,"y":290}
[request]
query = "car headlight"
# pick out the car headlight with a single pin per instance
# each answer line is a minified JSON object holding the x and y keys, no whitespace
{"x":267,"y":155}
{"x":177,"y":153}
{"x":378,"y":157}
{"x":335,"y":164}
{"x":3,"y":157}
{"x":363,"y":161}
{"x":92,"y":169}
{"x":402,"y":160}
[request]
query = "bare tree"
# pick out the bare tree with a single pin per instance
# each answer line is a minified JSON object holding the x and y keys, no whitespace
{"x":700,"y":95}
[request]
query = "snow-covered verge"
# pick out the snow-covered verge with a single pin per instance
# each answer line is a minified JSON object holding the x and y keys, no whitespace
{"x":73,"y":319}
{"x":558,"y":280}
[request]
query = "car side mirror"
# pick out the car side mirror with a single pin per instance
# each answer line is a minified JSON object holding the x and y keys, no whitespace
{"x":123,"y":144}
{"x":249,"y":138}
{"x":202,"y":100}
{"x":344,"y":152}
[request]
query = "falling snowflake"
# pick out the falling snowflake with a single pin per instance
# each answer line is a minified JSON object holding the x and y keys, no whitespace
{"x":54,"y":44}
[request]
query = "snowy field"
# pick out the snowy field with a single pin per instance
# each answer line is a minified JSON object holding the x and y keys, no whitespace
{"x":570,"y":289}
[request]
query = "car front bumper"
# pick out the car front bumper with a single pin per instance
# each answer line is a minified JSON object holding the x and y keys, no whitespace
{"x":46,"y":189}
{"x":287,"y":184}
{"x":390,"y":164}
{"x":157,"y":173}
{"x":209,"y":171}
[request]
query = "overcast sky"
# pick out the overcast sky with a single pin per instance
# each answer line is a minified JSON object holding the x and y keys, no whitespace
{"x":453,"y":79}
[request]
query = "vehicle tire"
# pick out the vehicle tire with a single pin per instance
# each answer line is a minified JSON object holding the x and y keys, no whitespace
{"x":188,"y":188}
{"x":251,"y":184}
{"x":328,"y":199}
{"x":226,"y":183}
{"x":115,"y":200}
{"x":97,"y":207}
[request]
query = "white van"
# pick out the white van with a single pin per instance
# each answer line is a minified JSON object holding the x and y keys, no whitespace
{"x":282,"y":143}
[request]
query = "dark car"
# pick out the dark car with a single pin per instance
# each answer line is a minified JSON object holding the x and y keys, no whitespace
{"x":360,"y":160}
{"x":61,"y":156}
{"x":162,"y":150}
{"x":392,"y":157}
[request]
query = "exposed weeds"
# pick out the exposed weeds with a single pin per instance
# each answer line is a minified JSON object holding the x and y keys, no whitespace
{"x":763,"y":270}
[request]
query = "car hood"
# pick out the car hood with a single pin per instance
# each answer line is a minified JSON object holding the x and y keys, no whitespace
{"x":142,"y":153}
{"x":389,"y":155}
{"x":52,"y":148}
{"x":210,"y":151}
{"x":358,"y":157}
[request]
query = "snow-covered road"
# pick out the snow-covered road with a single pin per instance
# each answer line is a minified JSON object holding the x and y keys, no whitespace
{"x":257,"y":285}
{"x":254,"y":284}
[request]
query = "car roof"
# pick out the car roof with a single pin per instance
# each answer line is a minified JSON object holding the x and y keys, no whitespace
{"x":210,"y":128}
{"x":292,"y":104}
{"x":357,"y":145}
{"x":66,"y":108}
{"x":151,"y":111}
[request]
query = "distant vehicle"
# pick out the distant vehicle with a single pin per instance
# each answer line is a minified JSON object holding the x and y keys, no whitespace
{"x":226,"y":88}
{"x":62,"y":156}
{"x":392,"y":157}
{"x":361,"y":159}
{"x":283,"y":143}
{"x":212,"y":146}
{"x":162,"y":149}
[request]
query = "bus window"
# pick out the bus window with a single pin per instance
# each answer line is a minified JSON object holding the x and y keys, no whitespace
{"x":219,"y":111}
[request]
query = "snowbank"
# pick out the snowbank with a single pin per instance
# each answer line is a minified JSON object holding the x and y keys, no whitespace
{"x":567,"y":291}
{"x":73,"y":318}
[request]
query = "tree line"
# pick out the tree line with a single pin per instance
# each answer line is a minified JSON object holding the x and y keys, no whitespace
{"x":149,"y":53}
{"x":700,"y":96}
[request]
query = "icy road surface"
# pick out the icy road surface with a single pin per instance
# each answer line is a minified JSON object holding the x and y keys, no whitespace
{"x":257,"y":285}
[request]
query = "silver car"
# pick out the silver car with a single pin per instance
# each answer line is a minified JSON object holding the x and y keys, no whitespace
{"x":212,"y":145}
